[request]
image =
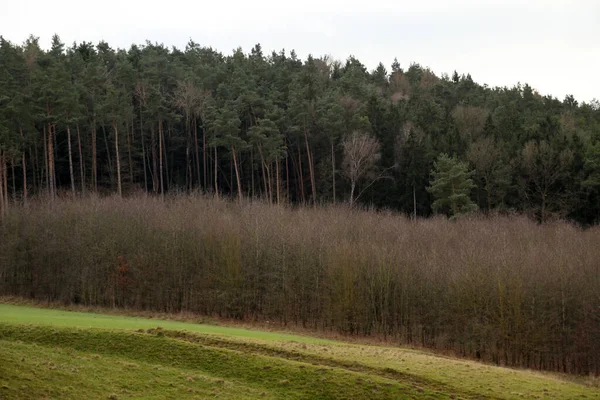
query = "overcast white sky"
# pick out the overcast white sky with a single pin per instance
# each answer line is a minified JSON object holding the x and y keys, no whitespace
{"x":553,"y":45}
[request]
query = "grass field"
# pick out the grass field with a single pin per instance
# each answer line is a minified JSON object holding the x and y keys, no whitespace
{"x":47,"y":353}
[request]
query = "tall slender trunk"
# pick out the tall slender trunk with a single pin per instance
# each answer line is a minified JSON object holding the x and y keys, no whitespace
{"x":204,"y":158}
{"x":50,"y":155}
{"x":81,"y":166}
{"x":5,"y":180}
{"x":51,"y":161}
{"x":189,"y":175}
{"x":189,"y":178}
{"x":352,"y":187}
{"x":24,"y":166}
{"x":270,"y":180}
{"x":14,"y":180}
{"x":333,"y":169}
{"x":287,"y":177}
{"x":117,"y":158}
{"x":45,"y":174}
{"x":252,"y":170}
{"x":36,"y":166}
{"x":231,"y":177}
{"x":143,"y":150}
{"x":168,"y":176}
{"x":160,"y":159}
{"x":94,"y":157}
{"x":311,"y":169}
{"x":264,"y":173}
{"x":129,"y":157}
{"x":55,"y":150}
{"x":277,"y":181}
{"x":71,"y":174}
{"x":215,"y":171}
{"x":2,"y":206}
{"x":197,"y":151}
{"x":237,"y":174}
{"x":454,"y":204}
{"x":153,"y":146}
{"x":414,"y":202}
{"x":110,"y":170}
{"x":300,"y":173}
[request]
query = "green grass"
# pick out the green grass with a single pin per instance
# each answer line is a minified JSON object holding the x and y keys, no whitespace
{"x":47,"y":353}
{"x":25,"y":315}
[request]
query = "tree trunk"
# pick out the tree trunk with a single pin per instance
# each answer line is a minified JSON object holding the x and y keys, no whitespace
{"x":2,"y":211}
{"x":414,"y":202}
{"x":277,"y":182}
{"x":5,"y":180}
{"x":237,"y":174}
{"x":300,"y":173}
{"x":189,"y":175}
{"x":51,"y":161}
{"x":14,"y":181}
{"x":333,"y":169}
{"x":45,"y":174}
{"x":24,"y":166}
{"x":352,"y":186}
{"x":270,"y":180}
{"x":6,"y":202}
{"x":81,"y":166}
{"x":160,"y":159}
{"x":204,"y":159}
{"x":71,"y":174}
{"x":129,"y":157}
{"x":216,"y":178}
{"x":287,"y":177}
{"x":153,"y":146}
{"x":35,"y":167}
{"x":311,"y":170}
{"x":168,"y":175}
{"x":118,"y":159}
{"x":143,"y":150}
{"x":197,"y":151}
{"x":454,"y":205}
{"x":252,"y":171}
{"x":94,"y":158}
{"x":264,"y":173}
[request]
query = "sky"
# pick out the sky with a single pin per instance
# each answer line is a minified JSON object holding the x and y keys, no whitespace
{"x":553,"y":45}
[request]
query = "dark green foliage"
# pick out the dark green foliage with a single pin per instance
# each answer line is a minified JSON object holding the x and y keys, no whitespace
{"x":196,"y":119}
{"x":451,"y":186}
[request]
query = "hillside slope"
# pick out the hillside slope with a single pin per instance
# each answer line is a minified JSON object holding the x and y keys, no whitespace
{"x":59,"y":354}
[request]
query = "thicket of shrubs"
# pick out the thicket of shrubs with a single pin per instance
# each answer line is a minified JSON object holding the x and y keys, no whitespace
{"x":500,"y":289}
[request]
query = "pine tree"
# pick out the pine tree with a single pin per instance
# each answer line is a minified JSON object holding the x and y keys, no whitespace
{"x":451,"y":186}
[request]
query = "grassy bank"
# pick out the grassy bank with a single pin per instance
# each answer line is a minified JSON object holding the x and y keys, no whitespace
{"x":125,"y":359}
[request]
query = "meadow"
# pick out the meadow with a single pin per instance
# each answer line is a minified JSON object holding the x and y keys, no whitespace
{"x":49,"y":353}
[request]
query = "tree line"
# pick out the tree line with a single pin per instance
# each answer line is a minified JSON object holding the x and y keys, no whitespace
{"x":505,"y":290}
{"x":92,"y":119}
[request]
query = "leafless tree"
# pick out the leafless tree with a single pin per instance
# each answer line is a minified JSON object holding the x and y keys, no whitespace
{"x":544,"y":167}
{"x":470,"y":121}
{"x":361,"y":153}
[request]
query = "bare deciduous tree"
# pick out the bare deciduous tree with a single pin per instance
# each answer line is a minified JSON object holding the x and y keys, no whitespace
{"x":544,"y":167}
{"x":470,"y":121}
{"x":361,"y":153}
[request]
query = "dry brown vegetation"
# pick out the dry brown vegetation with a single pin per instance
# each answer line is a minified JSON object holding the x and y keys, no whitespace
{"x":500,"y":289}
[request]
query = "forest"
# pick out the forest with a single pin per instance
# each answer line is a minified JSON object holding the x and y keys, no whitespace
{"x":308,"y":193}
{"x":90,"y":119}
